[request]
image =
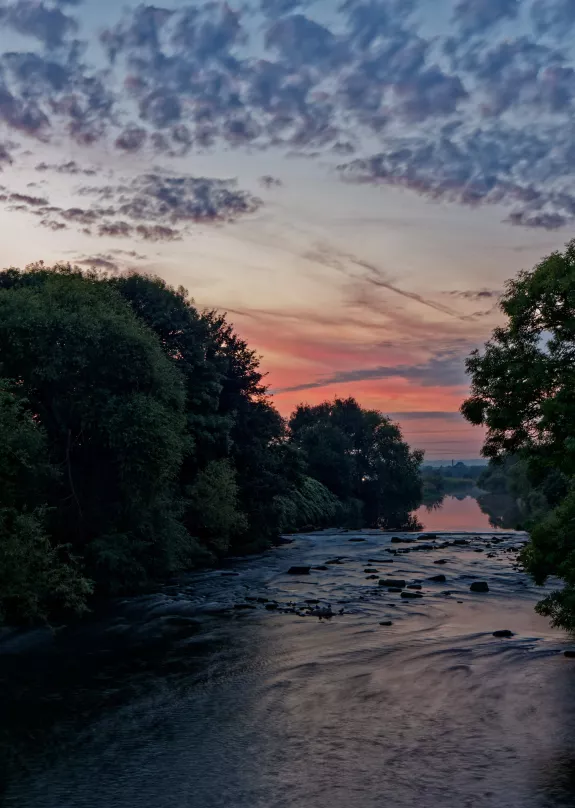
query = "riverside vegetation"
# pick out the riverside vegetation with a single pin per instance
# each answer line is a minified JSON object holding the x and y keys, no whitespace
{"x":523,"y":392}
{"x":138,"y":439}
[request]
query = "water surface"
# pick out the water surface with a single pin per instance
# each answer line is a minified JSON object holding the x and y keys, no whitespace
{"x":455,"y":513}
{"x":261,"y":708}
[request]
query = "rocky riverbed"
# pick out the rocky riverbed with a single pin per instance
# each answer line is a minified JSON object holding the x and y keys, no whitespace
{"x":339,"y":669}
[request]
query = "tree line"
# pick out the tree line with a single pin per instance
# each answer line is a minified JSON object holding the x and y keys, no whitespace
{"x":523,"y":392}
{"x":138,"y":439}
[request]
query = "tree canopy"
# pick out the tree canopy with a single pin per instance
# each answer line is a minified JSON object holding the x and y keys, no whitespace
{"x":523,"y":392}
{"x":139,"y":439}
{"x":360,"y":455}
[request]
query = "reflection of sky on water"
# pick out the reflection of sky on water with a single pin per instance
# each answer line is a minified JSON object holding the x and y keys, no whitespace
{"x":455,"y":514}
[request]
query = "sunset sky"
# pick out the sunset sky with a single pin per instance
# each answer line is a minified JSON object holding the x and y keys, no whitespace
{"x":352,"y":182}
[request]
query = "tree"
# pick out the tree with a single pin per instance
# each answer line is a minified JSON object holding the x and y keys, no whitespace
{"x":36,"y":579}
{"x":112,"y":407}
{"x":359,"y":454}
{"x":229,"y":414}
{"x":523,"y":392}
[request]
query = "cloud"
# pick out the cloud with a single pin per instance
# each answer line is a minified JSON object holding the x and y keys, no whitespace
{"x":413,"y":415}
{"x":132,"y":139}
{"x":71,"y":167}
{"x":553,"y":17}
{"x":52,"y":224}
{"x":158,"y":232}
{"x":104,"y":262}
{"x":494,"y":164}
{"x":37,"y":19}
{"x":480,"y":114}
{"x":372,"y":276}
{"x":154,"y":207}
{"x":476,"y":294}
{"x":115,"y":229}
{"x":6,"y":158}
{"x":477,"y":16}
{"x":267,"y":181}
{"x":443,"y":370}
{"x":25,"y":199}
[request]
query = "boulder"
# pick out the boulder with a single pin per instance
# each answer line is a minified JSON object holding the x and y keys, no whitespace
{"x":271,"y":606}
{"x":440,"y":561}
{"x":414,"y":586}
{"x":394,"y":589}
{"x":569,"y":654}
{"x":479,"y":586}
{"x":298,"y":570}
{"x":411,"y":595}
{"x":438,"y":579}
{"x":386,"y":623}
{"x":396,"y":582}
{"x":504,"y":632}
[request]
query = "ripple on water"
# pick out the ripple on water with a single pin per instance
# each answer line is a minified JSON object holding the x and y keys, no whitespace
{"x":266,"y":708}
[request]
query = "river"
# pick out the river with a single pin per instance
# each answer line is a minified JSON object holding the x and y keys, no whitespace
{"x":463,"y":513}
{"x":183,"y":700}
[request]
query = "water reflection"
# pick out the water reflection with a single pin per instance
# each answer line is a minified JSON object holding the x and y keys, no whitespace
{"x":467,"y":511}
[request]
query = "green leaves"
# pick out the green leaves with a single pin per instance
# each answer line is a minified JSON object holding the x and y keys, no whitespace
{"x":523,"y":391}
{"x":359,"y":454}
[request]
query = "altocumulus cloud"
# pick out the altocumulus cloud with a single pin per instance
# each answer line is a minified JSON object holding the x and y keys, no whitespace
{"x":481,"y":115}
{"x":153,"y":207}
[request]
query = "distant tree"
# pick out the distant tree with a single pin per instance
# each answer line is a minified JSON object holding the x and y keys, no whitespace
{"x":523,"y":392}
{"x":360,"y":454}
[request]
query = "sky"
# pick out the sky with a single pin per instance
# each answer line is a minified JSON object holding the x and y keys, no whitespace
{"x":352,"y":182}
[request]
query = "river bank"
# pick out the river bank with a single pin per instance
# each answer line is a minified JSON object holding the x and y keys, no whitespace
{"x":234,"y":677}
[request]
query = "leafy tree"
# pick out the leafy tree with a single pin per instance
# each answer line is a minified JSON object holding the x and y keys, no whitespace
{"x":112,"y":407}
{"x":229,"y":415}
{"x":360,"y":454}
{"x":35,"y":578}
{"x":310,"y":504}
{"x":523,"y":392}
{"x":213,"y":506}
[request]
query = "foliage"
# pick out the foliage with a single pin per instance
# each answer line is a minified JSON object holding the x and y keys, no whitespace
{"x":112,"y":407}
{"x":310,"y":504}
{"x":212,"y":509}
{"x":35,"y":578}
{"x":551,"y":551}
{"x":523,"y":392}
{"x":139,"y":439}
{"x":360,"y":454}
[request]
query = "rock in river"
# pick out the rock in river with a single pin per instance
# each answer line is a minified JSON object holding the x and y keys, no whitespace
{"x":386,"y":623}
{"x":411,"y":595}
{"x":504,"y":632}
{"x":396,"y":582}
{"x":479,"y":586}
{"x":440,"y":561}
{"x":438,"y":579}
{"x":298,"y":570}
